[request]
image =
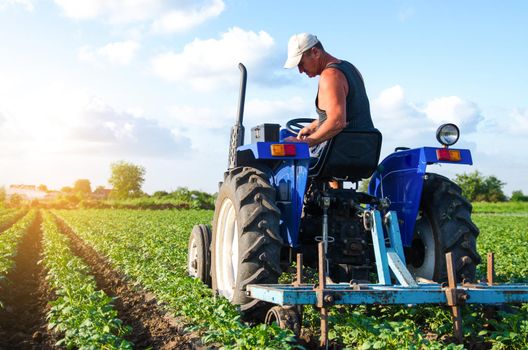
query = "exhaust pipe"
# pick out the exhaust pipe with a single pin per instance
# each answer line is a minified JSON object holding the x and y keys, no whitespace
{"x":237,"y":131}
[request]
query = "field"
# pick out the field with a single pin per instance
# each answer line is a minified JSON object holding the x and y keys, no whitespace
{"x":115,"y":279}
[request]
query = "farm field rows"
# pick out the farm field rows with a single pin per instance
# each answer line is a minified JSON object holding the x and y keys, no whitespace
{"x":129,"y":260}
{"x":82,"y":312}
{"x":9,"y":240}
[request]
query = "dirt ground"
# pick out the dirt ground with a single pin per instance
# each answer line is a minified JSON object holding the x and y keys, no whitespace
{"x":152,"y":326}
{"x":25,"y":295}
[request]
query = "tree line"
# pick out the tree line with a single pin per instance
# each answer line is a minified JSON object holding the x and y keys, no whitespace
{"x":127,"y":180}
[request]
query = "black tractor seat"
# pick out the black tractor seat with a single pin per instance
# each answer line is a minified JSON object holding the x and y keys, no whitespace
{"x":351,"y":155}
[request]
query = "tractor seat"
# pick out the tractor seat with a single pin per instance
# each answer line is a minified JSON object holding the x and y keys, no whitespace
{"x":351,"y":155}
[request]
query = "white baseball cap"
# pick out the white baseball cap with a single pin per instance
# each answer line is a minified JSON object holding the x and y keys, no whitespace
{"x":298,"y":44}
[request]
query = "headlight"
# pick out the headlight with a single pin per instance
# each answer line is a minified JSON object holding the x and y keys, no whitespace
{"x":447,"y":134}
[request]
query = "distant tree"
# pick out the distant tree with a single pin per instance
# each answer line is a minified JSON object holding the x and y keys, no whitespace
{"x":42,"y":188}
{"x":480,"y":188}
{"x":126,"y":179}
{"x":66,"y":189}
{"x":3,"y":195}
{"x":160,"y":194}
{"x":82,"y":186}
{"x":518,"y":196}
{"x":15,"y":200}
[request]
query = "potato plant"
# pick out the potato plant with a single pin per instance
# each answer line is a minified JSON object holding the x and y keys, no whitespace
{"x":82,"y":315}
{"x":9,"y":241}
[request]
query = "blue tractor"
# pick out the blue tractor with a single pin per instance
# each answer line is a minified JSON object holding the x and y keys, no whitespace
{"x":274,"y":202}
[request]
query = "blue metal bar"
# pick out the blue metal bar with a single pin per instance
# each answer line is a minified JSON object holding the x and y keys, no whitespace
{"x":394,"y":235}
{"x":399,"y":269}
{"x":380,"y":252}
{"x":345,"y":294}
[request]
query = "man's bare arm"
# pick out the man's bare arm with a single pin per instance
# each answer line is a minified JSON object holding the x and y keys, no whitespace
{"x":333,"y":89}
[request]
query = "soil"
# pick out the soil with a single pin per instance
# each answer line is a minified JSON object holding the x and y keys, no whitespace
{"x":151,"y":325}
{"x":25,"y":295}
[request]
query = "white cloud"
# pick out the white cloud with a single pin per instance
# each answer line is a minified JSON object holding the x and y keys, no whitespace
{"x":394,"y":115}
{"x":26,"y":4}
{"x":165,"y":15}
{"x":519,"y":122}
{"x":180,"y":20}
{"x":453,"y":109}
{"x":405,"y":123}
{"x":120,"y":53}
{"x":196,"y":117}
{"x":259,"y":111}
{"x":103,"y":128}
{"x":207,"y":64}
{"x":64,"y":120}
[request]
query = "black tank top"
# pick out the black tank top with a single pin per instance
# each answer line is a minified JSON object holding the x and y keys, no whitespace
{"x":357,"y":103}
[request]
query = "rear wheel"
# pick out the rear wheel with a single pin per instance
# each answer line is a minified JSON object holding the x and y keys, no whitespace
{"x":443,"y":225}
{"x":246,"y":240}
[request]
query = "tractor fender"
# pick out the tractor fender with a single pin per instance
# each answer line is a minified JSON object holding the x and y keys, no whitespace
{"x":400,"y":176}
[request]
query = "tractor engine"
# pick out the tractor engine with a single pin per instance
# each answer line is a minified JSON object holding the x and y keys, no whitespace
{"x":350,"y":254}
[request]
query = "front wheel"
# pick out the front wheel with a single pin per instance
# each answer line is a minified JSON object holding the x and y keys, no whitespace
{"x":198,"y":254}
{"x":246,"y":240}
{"x":443,"y":225}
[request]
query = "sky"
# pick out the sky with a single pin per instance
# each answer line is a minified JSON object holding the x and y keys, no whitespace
{"x":84,"y":83}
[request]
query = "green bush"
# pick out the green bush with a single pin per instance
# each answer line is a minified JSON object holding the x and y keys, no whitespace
{"x":518,"y":196}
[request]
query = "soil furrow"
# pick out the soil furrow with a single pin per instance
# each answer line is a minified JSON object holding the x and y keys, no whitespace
{"x":25,"y":294}
{"x":152,"y":327}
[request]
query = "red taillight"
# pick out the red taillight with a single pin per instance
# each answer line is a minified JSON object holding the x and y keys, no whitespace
{"x":448,"y":154}
{"x":290,"y":150}
{"x":283,"y":150}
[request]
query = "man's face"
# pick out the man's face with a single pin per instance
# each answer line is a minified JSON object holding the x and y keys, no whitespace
{"x":308,"y":64}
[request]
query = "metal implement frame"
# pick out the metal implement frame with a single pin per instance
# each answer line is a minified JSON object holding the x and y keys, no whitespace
{"x":389,"y":255}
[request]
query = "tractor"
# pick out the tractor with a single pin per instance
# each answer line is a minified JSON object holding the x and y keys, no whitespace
{"x":275,"y":202}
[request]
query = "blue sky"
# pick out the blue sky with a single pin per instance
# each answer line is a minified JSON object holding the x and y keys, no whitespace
{"x":155,"y":82}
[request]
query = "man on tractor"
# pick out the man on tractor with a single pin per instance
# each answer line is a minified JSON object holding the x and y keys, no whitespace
{"x":341,"y":101}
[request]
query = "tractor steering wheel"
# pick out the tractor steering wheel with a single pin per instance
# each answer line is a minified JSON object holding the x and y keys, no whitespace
{"x":295,"y":125}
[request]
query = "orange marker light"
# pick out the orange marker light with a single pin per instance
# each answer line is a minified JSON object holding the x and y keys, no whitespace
{"x":282,"y":150}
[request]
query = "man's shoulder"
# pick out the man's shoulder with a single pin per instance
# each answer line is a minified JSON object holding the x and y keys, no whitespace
{"x":332,"y":75}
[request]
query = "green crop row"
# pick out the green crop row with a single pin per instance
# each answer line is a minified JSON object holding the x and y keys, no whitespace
{"x":9,"y":240}
{"x":4,"y":211}
{"x":9,"y":216}
{"x":83,"y":315}
{"x":150,"y":247}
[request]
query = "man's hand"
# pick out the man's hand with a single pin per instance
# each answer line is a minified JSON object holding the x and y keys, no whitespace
{"x":304,"y":132}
